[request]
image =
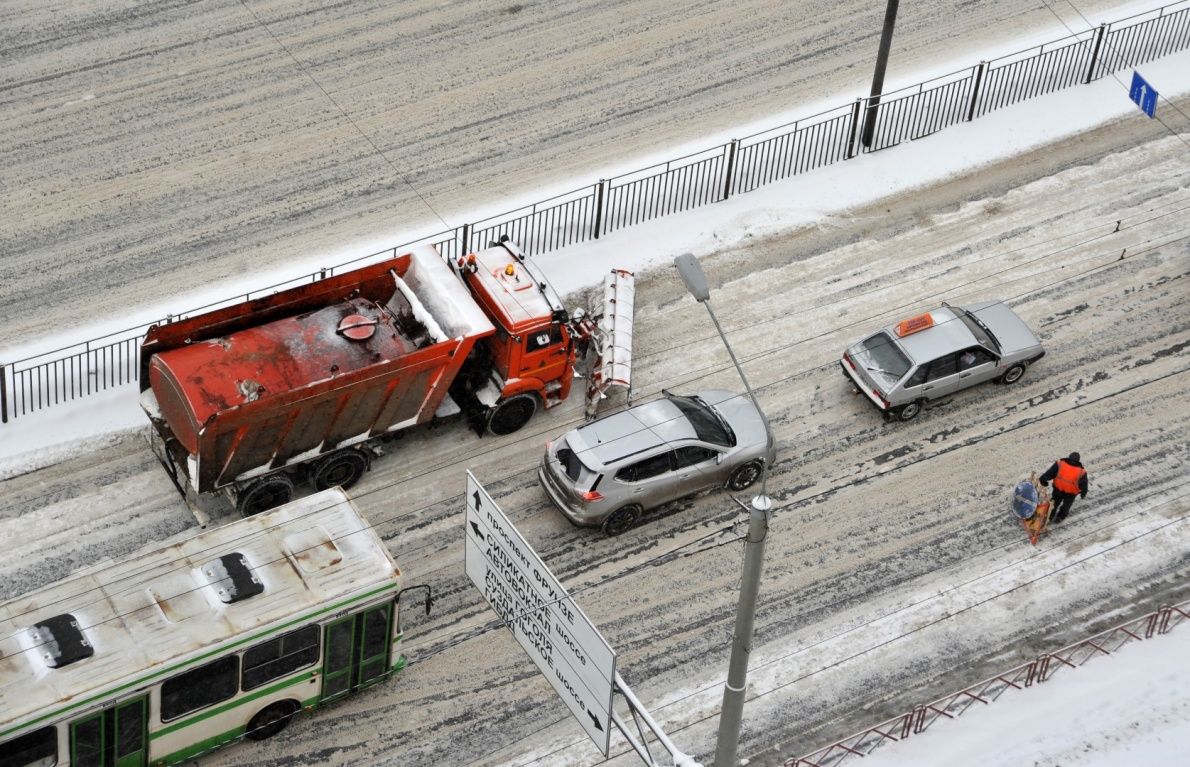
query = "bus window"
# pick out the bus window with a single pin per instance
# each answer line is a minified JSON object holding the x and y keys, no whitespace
{"x":277,"y":657}
{"x":34,"y":749}
{"x":357,"y":651}
{"x":130,"y":733}
{"x":216,"y":681}
{"x":87,"y":742}
{"x":374,"y":658}
{"x":336,"y":667}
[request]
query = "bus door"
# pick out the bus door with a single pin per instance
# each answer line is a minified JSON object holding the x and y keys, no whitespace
{"x":356,"y":651}
{"x":114,"y":737}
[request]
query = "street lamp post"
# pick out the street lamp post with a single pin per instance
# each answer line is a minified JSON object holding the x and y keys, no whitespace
{"x":758,"y":526}
{"x":890,"y":21}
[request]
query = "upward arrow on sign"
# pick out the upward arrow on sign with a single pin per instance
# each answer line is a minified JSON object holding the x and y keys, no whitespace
{"x":1143,"y":94}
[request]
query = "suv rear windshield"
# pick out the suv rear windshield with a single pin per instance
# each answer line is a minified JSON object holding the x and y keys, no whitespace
{"x":570,"y":462}
{"x":880,"y":356}
{"x":708,"y":425}
{"x":583,"y":477}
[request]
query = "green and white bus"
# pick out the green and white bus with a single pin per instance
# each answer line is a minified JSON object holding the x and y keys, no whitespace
{"x":177,"y":650}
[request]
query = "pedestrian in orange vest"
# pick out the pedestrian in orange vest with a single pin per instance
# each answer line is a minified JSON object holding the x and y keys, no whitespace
{"x":1070,"y":479}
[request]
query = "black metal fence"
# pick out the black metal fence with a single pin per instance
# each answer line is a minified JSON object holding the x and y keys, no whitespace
{"x":48,"y":379}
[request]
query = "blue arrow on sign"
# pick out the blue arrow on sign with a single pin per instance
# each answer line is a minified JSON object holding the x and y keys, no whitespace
{"x":1143,"y":94}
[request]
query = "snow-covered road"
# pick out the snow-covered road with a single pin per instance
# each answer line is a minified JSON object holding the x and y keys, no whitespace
{"x":153,"y":149}
{"x":880,"y":530}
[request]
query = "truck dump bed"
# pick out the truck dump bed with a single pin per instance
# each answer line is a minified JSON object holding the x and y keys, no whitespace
{"x":249,"y":388}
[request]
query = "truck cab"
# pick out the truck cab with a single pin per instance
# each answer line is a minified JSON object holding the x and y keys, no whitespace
{"x":531,"y":356}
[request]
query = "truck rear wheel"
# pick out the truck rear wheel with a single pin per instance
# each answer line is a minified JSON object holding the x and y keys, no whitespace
{"x":342,"y":469}
{"x":512,"y":414}
{"x":264,"y":494}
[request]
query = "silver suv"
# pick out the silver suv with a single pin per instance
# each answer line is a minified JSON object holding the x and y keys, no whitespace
{"x":607,"y":473}
{"x":902,"y":367}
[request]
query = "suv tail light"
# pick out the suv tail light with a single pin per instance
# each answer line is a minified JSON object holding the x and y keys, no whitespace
{"x":590,"y":496}
{"x":880,"y":396}
{"x":850,"y":362}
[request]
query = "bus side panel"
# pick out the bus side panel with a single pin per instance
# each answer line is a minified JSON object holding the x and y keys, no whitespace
{"x":222,"y":723}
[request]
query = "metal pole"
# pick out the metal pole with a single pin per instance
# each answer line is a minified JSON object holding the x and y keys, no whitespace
{"x":741,"y":644}
{"x":758,"y":529}
{"x":3,"y":395}
{"x":1095,"y":52}
{"x":599,"y":189}
{"x":731,"y":151}
{"x":732,"y":713}
{"x":764,"y":470}
{"x":890,"y":20}
{"x":680,"y":758}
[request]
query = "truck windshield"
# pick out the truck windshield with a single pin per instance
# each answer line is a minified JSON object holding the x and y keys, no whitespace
{"x":708,"y":425}
{"x":882,"y":358}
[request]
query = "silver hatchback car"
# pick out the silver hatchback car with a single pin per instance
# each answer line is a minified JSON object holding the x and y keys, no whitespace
{"x":607,"y":473}
{"x":902,"y":367}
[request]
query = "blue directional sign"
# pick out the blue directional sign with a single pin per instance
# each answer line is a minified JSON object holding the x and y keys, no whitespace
{"x":1143,"y":94}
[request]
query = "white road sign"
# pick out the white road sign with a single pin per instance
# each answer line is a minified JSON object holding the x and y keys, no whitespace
{"x":567,"y":648}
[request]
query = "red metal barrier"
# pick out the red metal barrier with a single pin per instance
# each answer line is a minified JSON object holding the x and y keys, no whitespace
{"x":862,"y":743}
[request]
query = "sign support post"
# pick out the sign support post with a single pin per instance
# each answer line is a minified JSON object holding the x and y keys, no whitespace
{"x":551,"y":628}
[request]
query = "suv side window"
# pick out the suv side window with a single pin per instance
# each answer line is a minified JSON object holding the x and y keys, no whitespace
{"x":646,"y":469}
{"x":918,"y":377}
{"x":692,"y":454}
{"x":976,"y":355}
{"x":942,"y":367}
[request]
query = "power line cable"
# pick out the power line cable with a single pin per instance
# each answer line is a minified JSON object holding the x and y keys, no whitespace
{"x":716,"y":370}
{"x":1093,"y":534}
{"x":260,"y":23}
{"x":1122,"y":60}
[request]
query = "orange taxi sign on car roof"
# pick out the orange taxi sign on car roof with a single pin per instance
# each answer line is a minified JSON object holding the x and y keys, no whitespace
{"x":914,"y":324}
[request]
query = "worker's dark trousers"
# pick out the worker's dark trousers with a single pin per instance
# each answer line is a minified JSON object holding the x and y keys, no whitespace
{"x":1062,"y":504}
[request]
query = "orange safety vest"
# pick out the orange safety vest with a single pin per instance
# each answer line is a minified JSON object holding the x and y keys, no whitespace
{"x":1068,"y":478}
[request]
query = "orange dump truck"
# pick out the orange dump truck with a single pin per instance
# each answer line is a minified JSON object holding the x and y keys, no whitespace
{"x":298,"y":386}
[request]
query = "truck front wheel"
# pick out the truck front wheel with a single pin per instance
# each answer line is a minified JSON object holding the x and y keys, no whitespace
{"x":512,"y":414}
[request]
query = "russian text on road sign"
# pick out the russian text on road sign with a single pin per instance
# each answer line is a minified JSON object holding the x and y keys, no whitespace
{"x":567,"y":648}
{"x":1143,"y":94}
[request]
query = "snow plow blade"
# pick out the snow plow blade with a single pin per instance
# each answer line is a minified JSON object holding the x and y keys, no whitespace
{"x":613,"y":339}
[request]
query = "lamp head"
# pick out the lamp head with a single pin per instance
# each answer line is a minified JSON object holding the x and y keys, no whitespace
{"x":691,"y":273}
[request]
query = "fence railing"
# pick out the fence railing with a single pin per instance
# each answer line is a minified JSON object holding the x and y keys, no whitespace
{"x":44,"y":380}
{"x":1038,"y":670}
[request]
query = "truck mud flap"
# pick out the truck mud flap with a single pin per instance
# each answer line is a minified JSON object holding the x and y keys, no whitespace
{"x":165,"y":457}
{"x":613,"y":340}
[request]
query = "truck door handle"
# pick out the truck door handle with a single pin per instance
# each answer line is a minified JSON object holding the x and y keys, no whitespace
{"x":964,"y":375}
{"x":638,"y":491}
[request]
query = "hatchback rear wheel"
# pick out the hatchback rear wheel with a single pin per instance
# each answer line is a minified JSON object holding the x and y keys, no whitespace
{"x":907,"y":412}
{"x":622,"y":519}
